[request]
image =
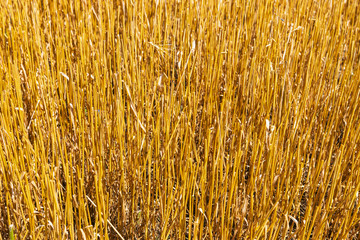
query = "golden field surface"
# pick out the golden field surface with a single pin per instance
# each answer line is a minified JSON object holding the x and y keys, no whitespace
{"x":179,"y":119}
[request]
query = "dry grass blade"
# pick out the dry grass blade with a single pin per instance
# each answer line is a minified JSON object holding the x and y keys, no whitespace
{"x":168,"y":119}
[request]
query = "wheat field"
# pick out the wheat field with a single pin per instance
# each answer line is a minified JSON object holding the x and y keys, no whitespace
{"x":179,"y":119}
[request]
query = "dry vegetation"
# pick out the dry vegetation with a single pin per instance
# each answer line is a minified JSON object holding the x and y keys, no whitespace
{"x":175,"y":119}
